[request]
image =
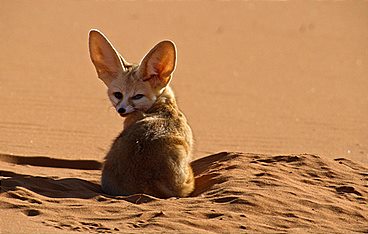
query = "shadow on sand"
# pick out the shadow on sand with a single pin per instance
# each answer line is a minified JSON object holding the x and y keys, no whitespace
{"x":83,"y":189}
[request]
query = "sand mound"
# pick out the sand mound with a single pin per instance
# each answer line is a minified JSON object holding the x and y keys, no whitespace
{"x":235,"y":192}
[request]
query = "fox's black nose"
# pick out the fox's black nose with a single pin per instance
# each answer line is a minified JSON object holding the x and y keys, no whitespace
{"x":121,"y":110}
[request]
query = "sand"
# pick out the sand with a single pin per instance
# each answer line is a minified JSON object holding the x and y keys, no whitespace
{"x":234,"y":192}
{"x":279,"y":88}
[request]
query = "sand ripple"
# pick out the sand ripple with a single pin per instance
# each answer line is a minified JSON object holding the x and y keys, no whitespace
{"x":235,"y":192}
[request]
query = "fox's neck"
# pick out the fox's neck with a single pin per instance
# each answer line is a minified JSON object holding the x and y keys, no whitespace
{"x":164,"y":104}
{"x":166,"y":98}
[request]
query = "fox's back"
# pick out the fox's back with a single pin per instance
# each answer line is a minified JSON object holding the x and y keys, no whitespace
{"x":155,"y":147}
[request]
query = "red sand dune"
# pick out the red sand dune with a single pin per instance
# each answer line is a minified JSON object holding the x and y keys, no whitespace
{"x":284,"y":80}
{"x":234,"y":192}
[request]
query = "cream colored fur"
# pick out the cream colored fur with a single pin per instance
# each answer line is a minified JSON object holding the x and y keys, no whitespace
{"x":152,"y":155}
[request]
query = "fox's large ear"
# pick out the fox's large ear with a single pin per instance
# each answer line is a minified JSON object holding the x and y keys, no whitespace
{"x":158,"y":65}
{"x":104,"y":57}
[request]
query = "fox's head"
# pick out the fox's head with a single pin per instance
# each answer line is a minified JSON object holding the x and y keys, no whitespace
{"x":132,"y":87}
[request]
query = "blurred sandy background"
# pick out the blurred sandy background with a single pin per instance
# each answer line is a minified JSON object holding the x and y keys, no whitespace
{"x":285,"y":79}
{"x":265,"y":77}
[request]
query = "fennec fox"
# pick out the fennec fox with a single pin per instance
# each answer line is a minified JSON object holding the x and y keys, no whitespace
{"x":153,"y":152}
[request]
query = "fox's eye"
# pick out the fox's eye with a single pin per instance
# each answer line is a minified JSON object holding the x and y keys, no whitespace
{"x":118,"y":95}
{"x":138,"y":96}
